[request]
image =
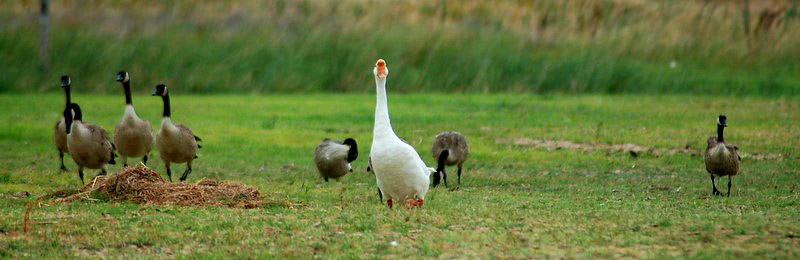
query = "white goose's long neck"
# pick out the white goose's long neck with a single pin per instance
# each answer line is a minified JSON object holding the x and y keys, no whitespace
{"x":382,"y":125}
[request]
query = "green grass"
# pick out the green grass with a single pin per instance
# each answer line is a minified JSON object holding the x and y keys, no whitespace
{"x":514,"y":201}
{"x":279,"y":46}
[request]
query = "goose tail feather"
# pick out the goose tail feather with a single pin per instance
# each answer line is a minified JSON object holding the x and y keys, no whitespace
{"x":431,"y":170}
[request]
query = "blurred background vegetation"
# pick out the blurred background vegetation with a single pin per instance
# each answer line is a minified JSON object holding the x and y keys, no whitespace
{"x":734,"y":47}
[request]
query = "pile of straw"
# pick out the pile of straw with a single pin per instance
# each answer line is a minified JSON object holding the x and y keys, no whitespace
{"x":144,"y":186}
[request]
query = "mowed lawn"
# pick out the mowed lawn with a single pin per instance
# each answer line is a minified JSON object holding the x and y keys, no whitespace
{"x":514,"y":201}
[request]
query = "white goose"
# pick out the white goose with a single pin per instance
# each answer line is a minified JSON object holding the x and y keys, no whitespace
{"x":399,"y":171}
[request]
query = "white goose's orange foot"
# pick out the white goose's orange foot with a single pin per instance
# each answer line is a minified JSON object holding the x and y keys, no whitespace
{"x":413,"y":203}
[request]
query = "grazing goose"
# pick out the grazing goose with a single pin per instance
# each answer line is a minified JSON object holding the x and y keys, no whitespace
{"x":176,"y":143}
{"x":60,"y":129}
{"x":132,"y":136}
{"x":88,"y":144}
{"x":721,"y":159}
{"x":449,"y":148}
{"x":333,"y":158}
{"x":399,"y":171}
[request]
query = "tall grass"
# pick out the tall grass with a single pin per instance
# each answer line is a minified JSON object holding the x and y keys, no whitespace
{"x":602,"y":46}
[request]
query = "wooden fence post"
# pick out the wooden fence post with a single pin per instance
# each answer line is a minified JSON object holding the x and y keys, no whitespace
{"x":44,"y":29}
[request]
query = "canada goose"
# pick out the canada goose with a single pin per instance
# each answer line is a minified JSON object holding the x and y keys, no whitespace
{"x":399,"y":171}
{"x":721,"y":159}
{"x":88,"y":144}
{"x":60,"y":129}
{"x":176,"y":143}
{"x":132,"y":136}
{"x":333,"y":158}
{"x":449,"y":148}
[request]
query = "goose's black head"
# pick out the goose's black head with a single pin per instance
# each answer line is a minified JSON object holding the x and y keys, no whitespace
{"x":352,"y":154}
{"x":161,"y":90}
{"x":122,"y":76}
{"x":722,"y":121}
{"x":65,"y":81}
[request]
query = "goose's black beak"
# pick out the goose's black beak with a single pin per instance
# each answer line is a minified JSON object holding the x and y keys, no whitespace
{"x":120,"y":78}
{"x":156,"y":94}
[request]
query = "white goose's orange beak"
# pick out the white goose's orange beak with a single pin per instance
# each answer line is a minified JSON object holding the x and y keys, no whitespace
{"x":380,"y":66}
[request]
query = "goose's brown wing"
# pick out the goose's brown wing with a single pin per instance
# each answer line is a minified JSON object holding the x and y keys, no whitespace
{"x":712,"y":143}
{"x":318,"y":152}
{"x":455,"y":142}
{"x":188,"y":132}
{"x":99,"y":135}
{"x":734,"y":153}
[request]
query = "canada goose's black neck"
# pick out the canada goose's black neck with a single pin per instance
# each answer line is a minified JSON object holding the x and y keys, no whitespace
{"x":78,"y":115}
{"x":442,"y":157}
{"x":68,"y":118}
{"x":165,"y":98}
{"x":68,"y":96}
{"x":352,"y":154}
{"x":720,"y":130}
{"x":126,"y":85}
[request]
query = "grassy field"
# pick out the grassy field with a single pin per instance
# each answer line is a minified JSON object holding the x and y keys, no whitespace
{"x":473,"y":46}
{"x":515,"y":200}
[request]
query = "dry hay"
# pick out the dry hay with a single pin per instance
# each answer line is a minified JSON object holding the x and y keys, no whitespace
{"x":144,"y":186}
{"x":632,"y":149}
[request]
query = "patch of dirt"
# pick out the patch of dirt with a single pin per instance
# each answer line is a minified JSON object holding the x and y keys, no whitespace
{"x":632,"y":149}
{"x":759,"y":156}
{"x":60,"y":193}
{"x":144,"y":186}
